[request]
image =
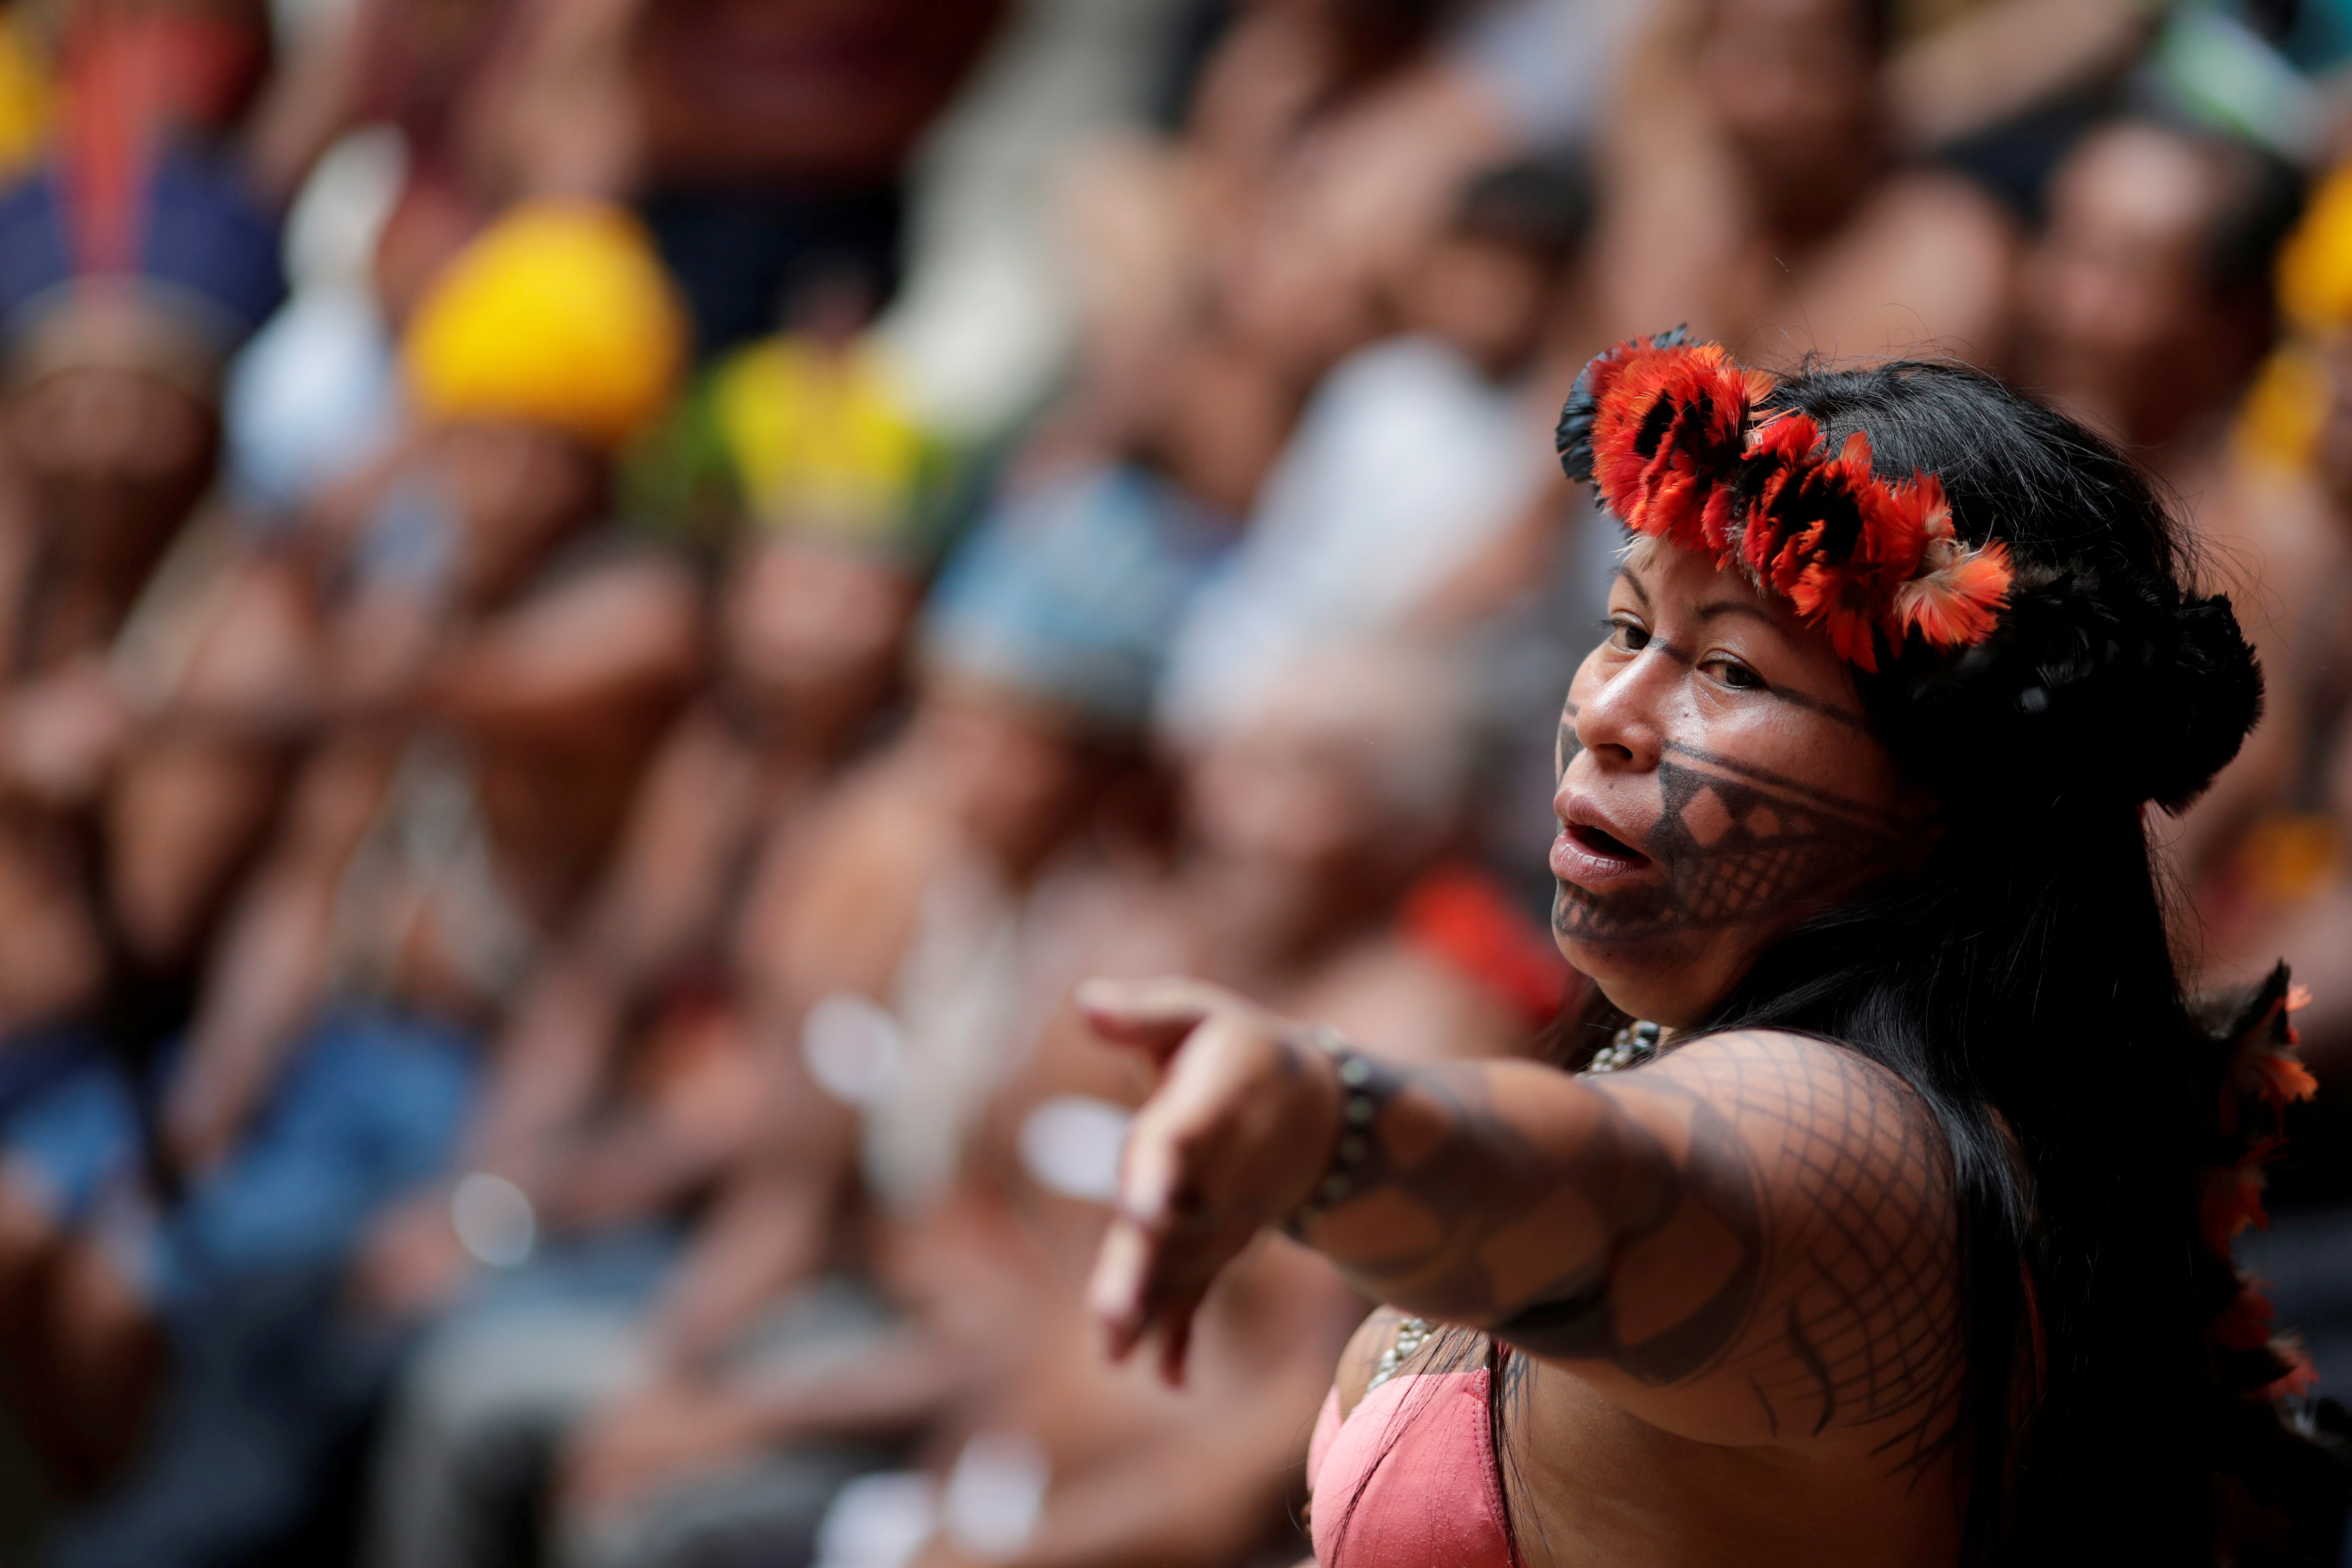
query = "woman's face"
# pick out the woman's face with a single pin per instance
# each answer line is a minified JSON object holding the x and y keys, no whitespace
{"x":1718,"y":783}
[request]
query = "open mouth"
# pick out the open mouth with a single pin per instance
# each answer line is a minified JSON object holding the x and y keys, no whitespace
{"x":1593,"y":841}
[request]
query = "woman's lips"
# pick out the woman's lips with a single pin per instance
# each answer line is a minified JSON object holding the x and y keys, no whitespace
{"x":1594,"y":858}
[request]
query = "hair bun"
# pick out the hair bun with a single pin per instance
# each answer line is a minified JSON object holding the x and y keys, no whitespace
{"x":2090,"y":687}
{"x":2219,"y":684}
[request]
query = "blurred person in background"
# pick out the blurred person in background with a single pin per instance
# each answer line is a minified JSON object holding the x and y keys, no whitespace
{"x":892,"y":941}
{"x":1327,"y":826}
{"x":1753,"y":187}
{"x":1313,"y":833}
{"x":130,"y":270}
{"x":1408,"y":460}
{"x":2145,"y":304}
{"x":626,"y":1076}
{"x":2145,"y":307}
{"x":804,"y":423}
{"x":488,"y":690}
{"x":505,"y":654}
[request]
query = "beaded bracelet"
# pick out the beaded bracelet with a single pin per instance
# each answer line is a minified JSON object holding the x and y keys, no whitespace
{"x":1364,"y":1084}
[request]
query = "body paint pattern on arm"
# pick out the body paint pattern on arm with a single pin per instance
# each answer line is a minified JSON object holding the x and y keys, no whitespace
{"x":1807,"y":1192}
{"x":1855,"y":1320}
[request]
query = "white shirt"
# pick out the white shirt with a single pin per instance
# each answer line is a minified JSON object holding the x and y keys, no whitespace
{"x":1405,"y":464}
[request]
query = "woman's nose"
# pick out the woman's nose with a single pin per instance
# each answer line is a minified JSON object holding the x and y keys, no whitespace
{"x":1621,"y":721}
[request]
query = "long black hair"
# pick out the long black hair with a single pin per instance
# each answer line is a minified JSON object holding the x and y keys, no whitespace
{"x":2022,"y":982}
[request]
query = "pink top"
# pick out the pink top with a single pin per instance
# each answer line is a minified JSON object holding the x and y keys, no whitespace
{"x":1435,"y":1496}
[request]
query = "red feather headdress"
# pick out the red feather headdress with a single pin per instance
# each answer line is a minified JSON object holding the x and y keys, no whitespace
{"x":1666,"y":430}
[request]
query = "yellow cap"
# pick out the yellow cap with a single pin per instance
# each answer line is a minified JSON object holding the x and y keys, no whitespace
{"x":2315,"y":266}
{"x":559,"y":314}
{"x":821,"y":438}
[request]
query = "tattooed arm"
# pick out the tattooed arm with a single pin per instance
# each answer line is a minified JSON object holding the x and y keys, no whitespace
{"x":1748,"y":1241}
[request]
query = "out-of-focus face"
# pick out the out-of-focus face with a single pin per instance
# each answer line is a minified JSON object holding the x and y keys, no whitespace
{"x":1488,"y":299}
{"x":1341,"y":779}
{"x":519,"y":488}
{"x":1299,"y":295}
{"x":1218,"y":425}
{"x":1792,"y":83}
{"x":1009,"y":769}
{"x":815,"y":632}
{"x":2115,"y":288}
{"x":1717,"y":785}
{"x":1289,"y":795}
{"x":826,"y":90}
{"x":116,"y":458}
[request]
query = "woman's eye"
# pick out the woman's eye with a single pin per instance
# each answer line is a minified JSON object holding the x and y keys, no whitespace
{"x":1736,"y":675}
{"x":1630,"y":636}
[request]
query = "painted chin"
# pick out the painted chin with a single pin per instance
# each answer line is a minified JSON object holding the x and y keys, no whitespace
{"x":1592,"y":859}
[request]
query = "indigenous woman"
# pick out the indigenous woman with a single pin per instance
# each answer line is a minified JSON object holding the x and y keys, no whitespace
{"x":1882,"y":1213}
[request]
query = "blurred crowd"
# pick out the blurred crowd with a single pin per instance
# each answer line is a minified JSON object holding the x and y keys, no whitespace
{"x":604,"y":603}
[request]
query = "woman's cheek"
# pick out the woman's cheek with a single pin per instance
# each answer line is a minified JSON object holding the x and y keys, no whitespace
{"x":1778,"y":739}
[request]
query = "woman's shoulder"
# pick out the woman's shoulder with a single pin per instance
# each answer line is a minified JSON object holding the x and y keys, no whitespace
{"x":1798,"y":1105}
{"x":1764,"y":1065}
{"x":1779,"y":1054}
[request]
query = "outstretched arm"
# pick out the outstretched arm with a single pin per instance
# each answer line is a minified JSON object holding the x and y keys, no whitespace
{"x":1747,"y":1241}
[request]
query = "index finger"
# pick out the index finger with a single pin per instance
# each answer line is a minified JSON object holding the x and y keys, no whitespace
{"x":1156,"y":1015}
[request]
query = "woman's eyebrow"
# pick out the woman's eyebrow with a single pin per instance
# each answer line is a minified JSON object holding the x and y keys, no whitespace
{"x":1625,"y":575}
